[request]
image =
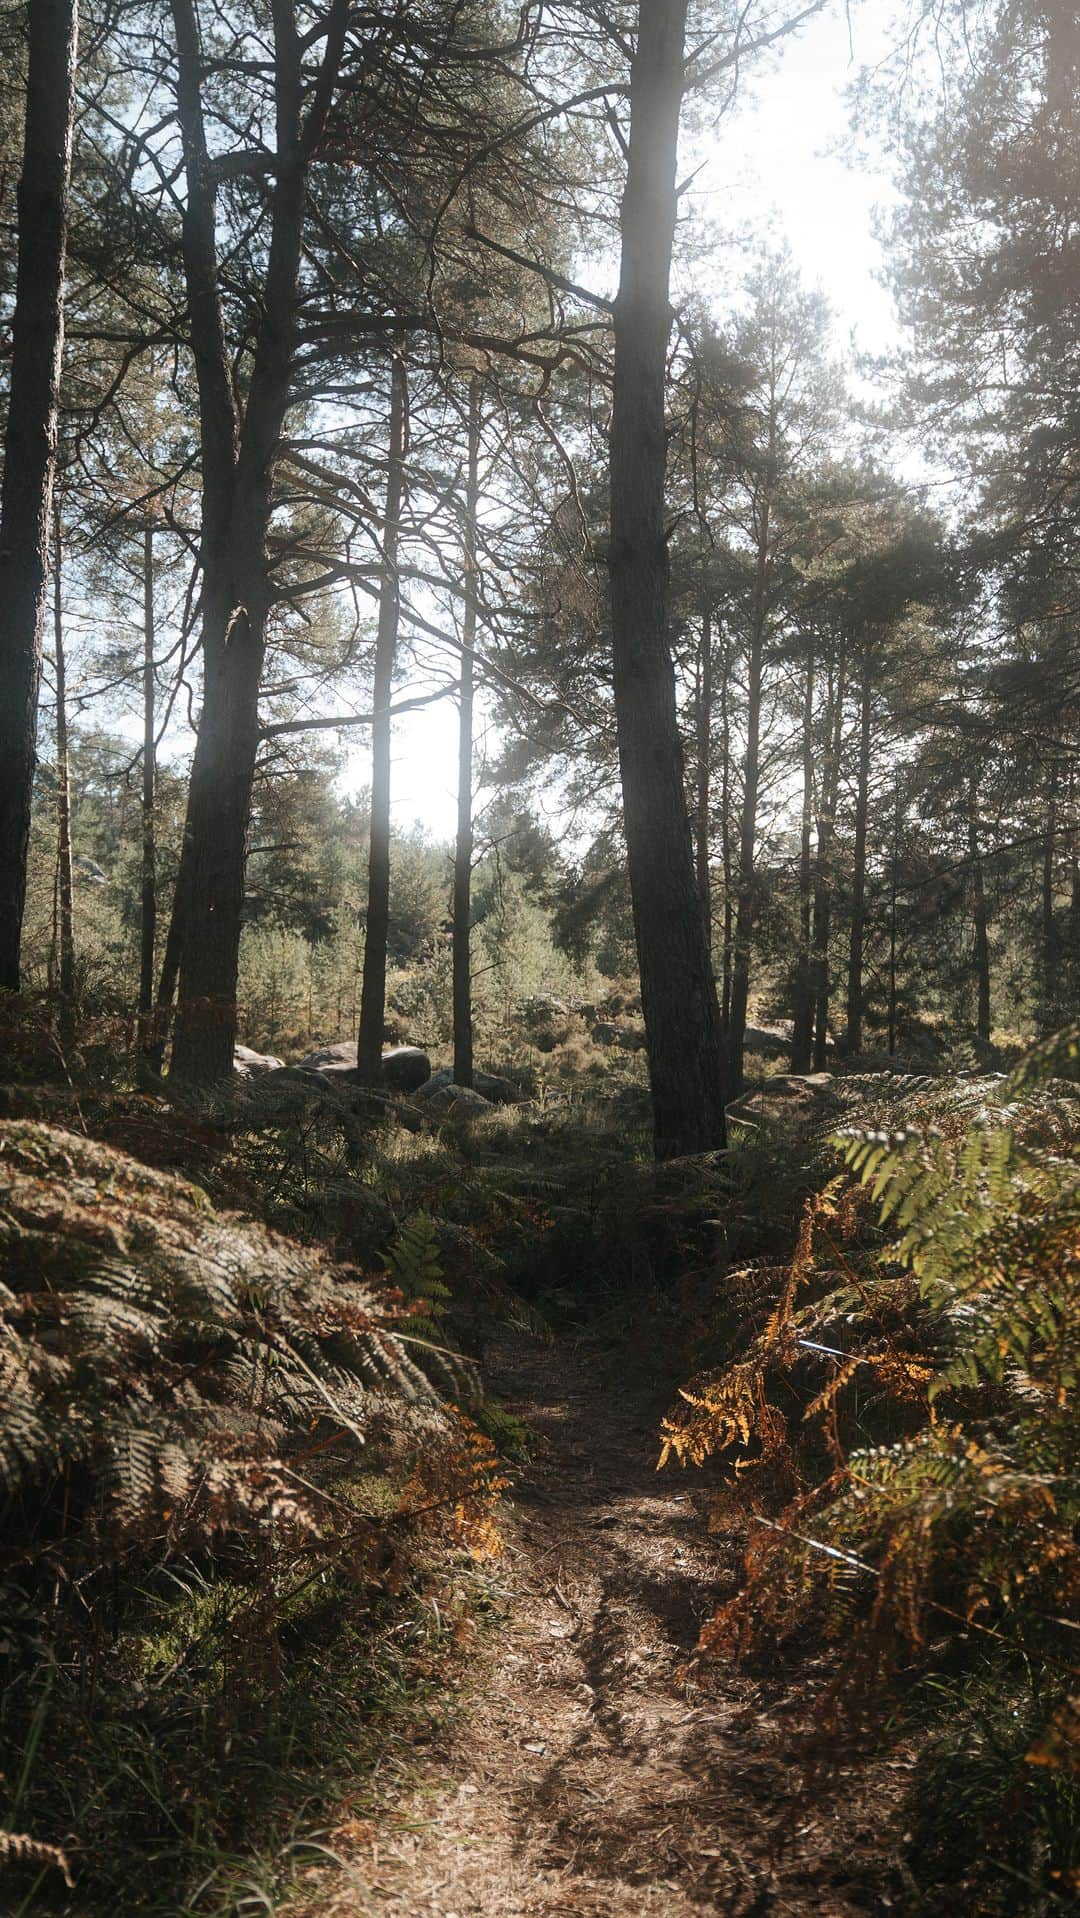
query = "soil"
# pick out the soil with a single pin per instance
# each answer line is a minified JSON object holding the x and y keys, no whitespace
{"x":587,"y":1773}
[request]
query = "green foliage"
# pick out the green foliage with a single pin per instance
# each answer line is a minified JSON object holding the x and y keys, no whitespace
{"x":413,"y":1265}
{"x":413,"y":1260}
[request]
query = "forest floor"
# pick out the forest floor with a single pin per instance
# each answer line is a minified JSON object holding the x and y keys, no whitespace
{"x":584,"y":1774}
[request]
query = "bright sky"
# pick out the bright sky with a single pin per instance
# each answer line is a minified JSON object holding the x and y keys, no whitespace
{"x":772,"y":170}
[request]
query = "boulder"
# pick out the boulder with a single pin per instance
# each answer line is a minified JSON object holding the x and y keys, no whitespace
{"x":497,"y":1092}
{"x":404,"y":1068}
{"x":340,"y":1057}
{"x":248,"y":1064}
{"x":457,"y":1102}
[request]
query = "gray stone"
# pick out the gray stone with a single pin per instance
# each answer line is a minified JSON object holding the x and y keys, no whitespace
{"x":497,"y":1092}
{"x":444,"y":1077}
{"x":248,"y":1064}
{"x":335,"y":1058}
{"x":457,"y":1102}
{"x":404,"y":1068}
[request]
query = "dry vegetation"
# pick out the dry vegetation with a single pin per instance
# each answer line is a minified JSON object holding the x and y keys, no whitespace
{"x":249,"y":1542}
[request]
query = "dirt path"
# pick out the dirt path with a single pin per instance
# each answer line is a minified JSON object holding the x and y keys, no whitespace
{"x":585,"y":1777}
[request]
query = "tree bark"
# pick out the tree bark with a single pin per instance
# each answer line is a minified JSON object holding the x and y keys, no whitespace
{"x":980,"y":918}
{"x":894,"y":892}
{"x":65,"y":873}
{"x":725,"y":833}
{"x":377,"y":923}
{"x":745,"y":911}
{"x":802,"y":1036}
{"x":1072,"y":943}
{"x":853,"y":1037}
{"x":30,"y":440}
{"x":703,"y":794}
{"x":158,"y":1030}
{"x":1049,"y":939}
{"x":463,"y":845}
{"x":823,"y":877}
{"x":682,"y":1018}
{"x":238,"y":472}
{"x":148,"y":906}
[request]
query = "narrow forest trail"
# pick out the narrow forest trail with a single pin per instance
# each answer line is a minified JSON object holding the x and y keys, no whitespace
{"x":583,"y":1776}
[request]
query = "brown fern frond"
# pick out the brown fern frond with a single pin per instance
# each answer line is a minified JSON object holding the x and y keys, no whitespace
{"x":17,"y":1849}
{"x":161,"y":1358}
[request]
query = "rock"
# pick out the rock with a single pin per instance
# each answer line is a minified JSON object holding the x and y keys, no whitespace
{"x":630,"y":1038}
{"x":457,"y":1102}
{"x":497,"y":1092}
{"x":542,"y":1009}
{"x":772,"y":1042}
{"x":248,"y":1064}
{"x":444,"y":1077}
{"x":404,"y":1068}
{"x":335,"y":1058}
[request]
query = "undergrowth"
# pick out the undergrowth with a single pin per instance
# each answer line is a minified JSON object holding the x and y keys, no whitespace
{"x":896,"y":1404}
{"x":244,"y":1505}
{"x":224,"y":1613}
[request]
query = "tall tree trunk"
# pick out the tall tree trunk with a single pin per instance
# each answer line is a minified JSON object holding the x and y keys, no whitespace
{"x":894,"y":892}
{"x":463,"y":845}
{"x":1049,"y":923}
{"x":1073,"y":939}
{"x":980,"y":918}
{"x":823,"y":877}
{"x":746,"y":910}
{"x":158,"y":1027}
{"x":802,"y":1036}
{"x":853,"y":1037}
{"x":238,"y":471}
{"x":65,"y":873}
{"x":704,"y":772}
{"x":148,"y":907}
{"x":682,"y":1018}
{"x":725,"y":832}
{"x":30,"y":440}
{"x":377,"y":923}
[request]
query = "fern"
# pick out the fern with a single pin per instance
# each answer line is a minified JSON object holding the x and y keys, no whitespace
{"x":160,"y":1361}
{"x":413,"y":1265}
{"x":946,"y":1498}
{"x":17,"y":1849}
